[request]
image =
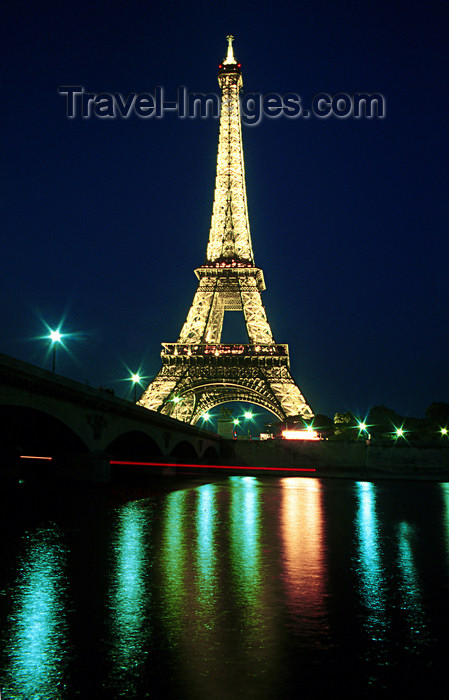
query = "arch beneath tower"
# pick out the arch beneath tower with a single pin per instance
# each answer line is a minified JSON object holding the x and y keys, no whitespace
{"x":210,"y":399}
{"x":197,"y":400}
{"x":246,"y":400}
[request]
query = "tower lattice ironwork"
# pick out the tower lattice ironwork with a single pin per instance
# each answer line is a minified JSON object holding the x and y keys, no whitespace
{"x":198,"y":371}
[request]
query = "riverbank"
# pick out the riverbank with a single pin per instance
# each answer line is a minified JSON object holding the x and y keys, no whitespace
{"x":269,"y":458}
{"x":349,"y":459}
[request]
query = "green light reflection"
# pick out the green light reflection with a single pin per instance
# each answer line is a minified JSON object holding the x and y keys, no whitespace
{"x":410,"y":585}
{"x":445,"y":493}
{"x":37,"y":646}
{"x":218,"y":609}
{"x":244,"y":530}
{"x":205,"y":523}
{"x":173,"y":556}
{"x":191,"y":588}
{"x":129,"y":594}
{"x":369,"y":564}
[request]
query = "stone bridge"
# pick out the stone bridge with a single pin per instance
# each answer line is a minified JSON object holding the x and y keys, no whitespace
{"x":84,"y":429}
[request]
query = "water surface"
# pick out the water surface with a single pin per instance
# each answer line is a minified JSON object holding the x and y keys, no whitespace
{"x":238,"y":588}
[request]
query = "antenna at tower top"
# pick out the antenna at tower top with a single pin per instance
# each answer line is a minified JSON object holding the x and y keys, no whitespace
{"x":230,"y":57}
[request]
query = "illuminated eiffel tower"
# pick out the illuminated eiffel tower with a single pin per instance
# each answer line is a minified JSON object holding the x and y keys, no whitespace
{"x":198,"y":372}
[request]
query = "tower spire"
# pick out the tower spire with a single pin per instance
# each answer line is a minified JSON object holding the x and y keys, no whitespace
{"x":229,"y":237}
{"x":230,"y":57}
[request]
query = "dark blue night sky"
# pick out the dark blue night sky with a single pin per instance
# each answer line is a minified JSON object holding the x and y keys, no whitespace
{"x":104,"y":220}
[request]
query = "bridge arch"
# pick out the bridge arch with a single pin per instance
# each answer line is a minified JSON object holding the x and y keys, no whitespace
{"x":81,"y":426}
{"x":134,"y":445}
{"x":211,"y":456}
{"x":32,"y":431}
{"x":184,"y":452}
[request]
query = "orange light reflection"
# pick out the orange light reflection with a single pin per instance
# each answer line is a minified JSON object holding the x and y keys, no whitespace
{"x":304,"y":555}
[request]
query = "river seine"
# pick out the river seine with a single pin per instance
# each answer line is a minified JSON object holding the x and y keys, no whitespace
{"x":235,"y":588}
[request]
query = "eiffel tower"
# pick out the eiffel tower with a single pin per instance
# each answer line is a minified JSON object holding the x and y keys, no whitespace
{"x":198,"y":371}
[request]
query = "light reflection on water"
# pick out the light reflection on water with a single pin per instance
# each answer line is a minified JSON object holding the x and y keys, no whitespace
{"x":255,"y":632}
{"x":205,"y":533}
{"x":129,"y":595}
{"x":445,"y":493}
{"x":174,"y":551}
{"x":410,"y":585}
{"x":370,"y":569}
{"x":37,"y":647}
{"x":240,"y":588}
{"x":305,"y":577}
{"x":211,"y":583}
{"x":244,"y":532}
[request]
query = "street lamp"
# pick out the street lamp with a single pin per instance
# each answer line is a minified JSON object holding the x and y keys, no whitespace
{"x":363,"y":428}
{"x":135,"y":379}
{"x":400,"y":432}
{"x":207,"y":419}
{"x":55,"y":337}
{"x":248,"y":415}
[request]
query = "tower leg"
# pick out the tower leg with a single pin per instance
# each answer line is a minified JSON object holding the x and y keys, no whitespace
{"x":257,"y":326}
{"x":194,"y":328}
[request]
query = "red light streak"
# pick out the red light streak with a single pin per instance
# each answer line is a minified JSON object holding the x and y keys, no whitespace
{"x":209,"y":466}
